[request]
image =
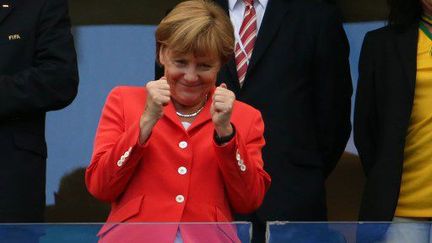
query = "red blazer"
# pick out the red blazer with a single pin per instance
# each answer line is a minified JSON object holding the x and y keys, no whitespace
{"x":178,"y":175}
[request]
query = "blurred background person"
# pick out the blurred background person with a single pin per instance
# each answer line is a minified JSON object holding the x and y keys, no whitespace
{"x":180,"y":149}
{"x":290,"y":61}
{"x":392,"y":127}
{"x":38,"y":73}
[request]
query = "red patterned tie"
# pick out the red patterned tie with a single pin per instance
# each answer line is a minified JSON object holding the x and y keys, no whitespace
{"x":248,"y":34}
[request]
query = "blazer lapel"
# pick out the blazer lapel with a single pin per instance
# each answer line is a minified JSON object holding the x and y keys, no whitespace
{"x":406,"y":45}
{"x":232,"y":68}
{"x":5,"y":8}
{"x":203,"y":116}
{"x":223,"y":4}
{"x":273,"y":16}
{"x":170,"y":113}
{"x":232,"y":82}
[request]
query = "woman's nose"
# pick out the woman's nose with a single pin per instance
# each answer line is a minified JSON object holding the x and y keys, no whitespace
{"x":191,"y":75}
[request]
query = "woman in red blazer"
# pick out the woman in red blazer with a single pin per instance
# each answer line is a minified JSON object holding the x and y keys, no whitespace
{"x":180,"y":149}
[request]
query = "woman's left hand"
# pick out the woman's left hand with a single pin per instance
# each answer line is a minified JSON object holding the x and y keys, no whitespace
{"x":221,"y":110}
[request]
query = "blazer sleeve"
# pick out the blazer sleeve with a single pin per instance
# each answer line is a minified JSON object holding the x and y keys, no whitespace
{"x":116,"y":151}
{"x":241,"y":164}
{"x":333,"y":88}
{"x":365,"y":112}
{"x":51,"y":82}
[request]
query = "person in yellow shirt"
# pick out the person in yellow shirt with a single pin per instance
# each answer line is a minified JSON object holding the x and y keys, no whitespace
{"x":393,"y":122}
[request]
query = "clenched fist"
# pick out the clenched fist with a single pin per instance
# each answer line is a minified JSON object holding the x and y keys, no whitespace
{"x":221,"y":110}
{"x":158,"y":96}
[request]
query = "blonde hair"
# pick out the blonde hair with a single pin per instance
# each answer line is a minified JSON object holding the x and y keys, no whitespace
{"x":199,"y":27}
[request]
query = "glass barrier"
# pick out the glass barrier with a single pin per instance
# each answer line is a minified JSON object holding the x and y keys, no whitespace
{"x":349,"y":232}
{"x":126,"y":232}
{"x":277,"y":232}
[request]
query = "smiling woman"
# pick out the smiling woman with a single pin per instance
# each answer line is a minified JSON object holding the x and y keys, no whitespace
{"x":190,"y":78}
{"x":180,"y":149}
{"x":192,"y":53}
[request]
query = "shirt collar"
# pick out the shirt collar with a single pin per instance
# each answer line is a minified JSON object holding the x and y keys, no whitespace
{"x":232,"y":3}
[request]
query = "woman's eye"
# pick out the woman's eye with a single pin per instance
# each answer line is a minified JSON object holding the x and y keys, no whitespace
{"x":205,"y":66}
{"x":180,"y":62}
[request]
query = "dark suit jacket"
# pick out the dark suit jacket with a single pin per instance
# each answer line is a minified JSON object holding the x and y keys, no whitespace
{"x":38,"y":73}
{"x":385,"y":93}
{"x":299,"y":78}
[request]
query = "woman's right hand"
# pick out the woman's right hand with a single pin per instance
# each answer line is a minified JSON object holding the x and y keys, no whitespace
{"x":158,"y":96}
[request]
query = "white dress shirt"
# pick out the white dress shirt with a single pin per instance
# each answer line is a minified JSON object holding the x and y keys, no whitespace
{"x":236,"y":12}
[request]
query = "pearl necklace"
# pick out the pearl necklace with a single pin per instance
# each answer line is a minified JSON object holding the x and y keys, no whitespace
{"x":190,"y":115}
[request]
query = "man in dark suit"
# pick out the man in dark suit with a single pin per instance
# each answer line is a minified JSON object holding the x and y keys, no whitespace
{"x":299,"y":78}
{"x":38,"y":73}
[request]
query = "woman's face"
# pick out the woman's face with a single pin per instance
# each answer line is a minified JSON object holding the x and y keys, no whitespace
{"x":190,"y":77}
{"x":427,"y":6}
